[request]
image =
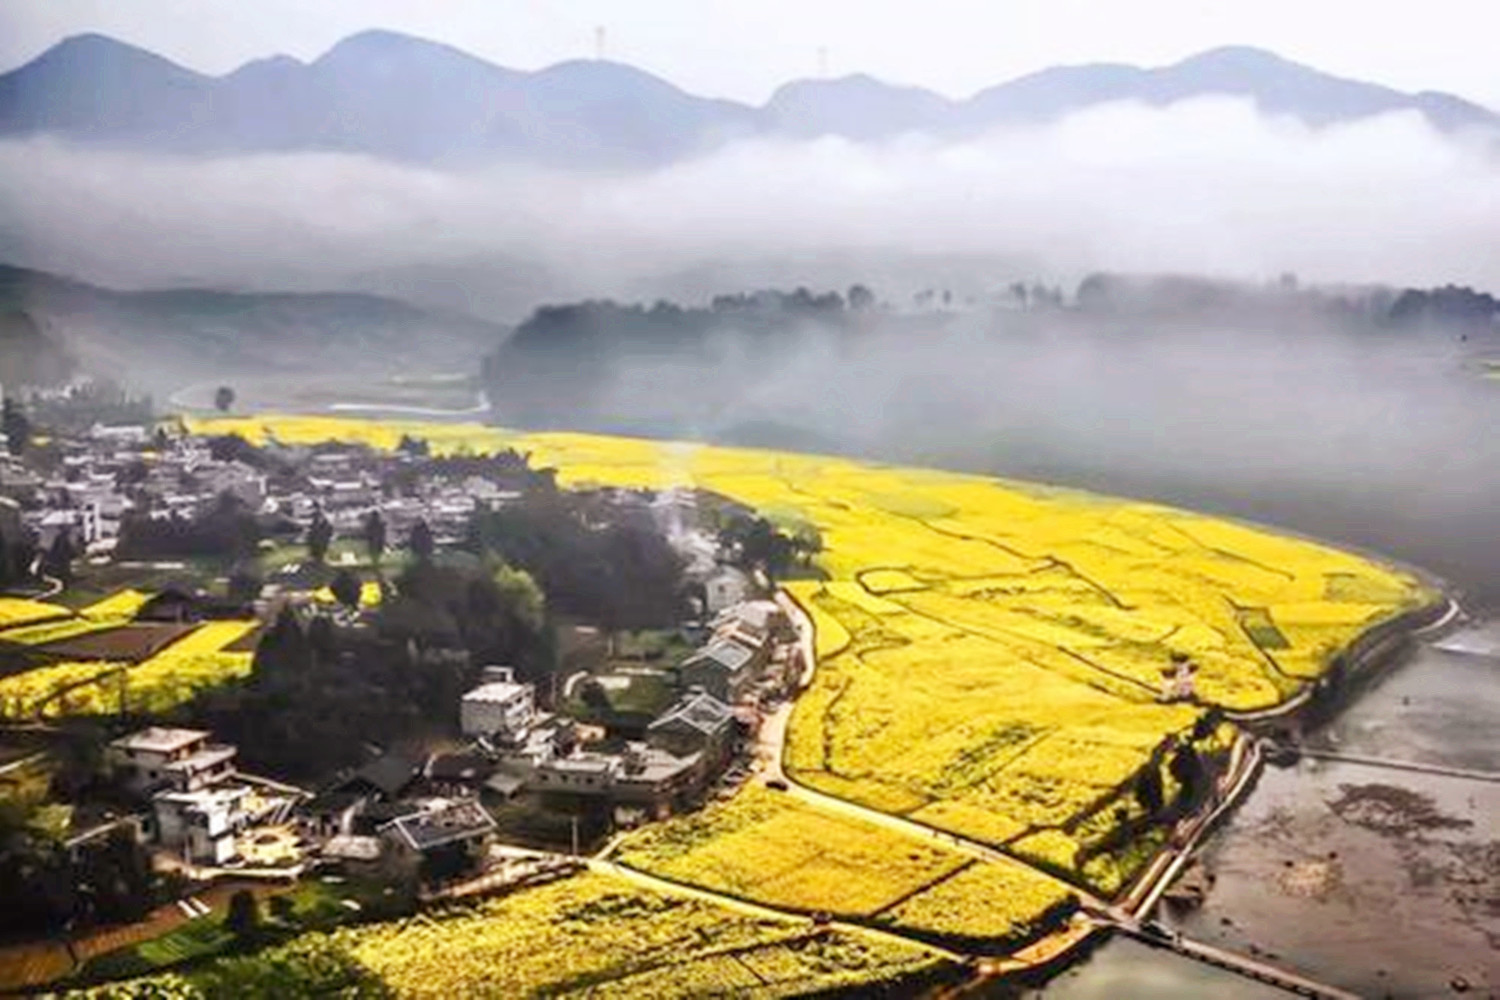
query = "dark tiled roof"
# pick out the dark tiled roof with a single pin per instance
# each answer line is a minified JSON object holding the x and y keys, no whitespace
{"x":449,"y":824}
{"x":389,"y":773}
{"x":700,"y":711}
{"x":730,"y":656}
{"x":460,"y":767}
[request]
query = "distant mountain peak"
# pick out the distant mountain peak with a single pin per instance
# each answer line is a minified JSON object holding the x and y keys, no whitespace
{"x":1243,"y":56}
{"x":603,"y":72}
{"x":382,"y":44}
{"x":388,"y":94}
{"x":91,"y":49}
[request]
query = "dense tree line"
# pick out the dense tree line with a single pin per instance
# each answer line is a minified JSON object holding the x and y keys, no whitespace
{"x":28,"y":355}
{"x":320,"y":692}
{"x":1450,"y":305}
{"x":46,"y":885}
{"x":548,"y":367}
{"x":96,"y":401}
{"x":227,"y":530}
{"x":17,"y":557}
{"x":621,"y":575}
{"x":754,"y":543}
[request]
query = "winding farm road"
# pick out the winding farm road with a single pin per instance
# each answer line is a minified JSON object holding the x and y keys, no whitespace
{"x":1132,"y":914}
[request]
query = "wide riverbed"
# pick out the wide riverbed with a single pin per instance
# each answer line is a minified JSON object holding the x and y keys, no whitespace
{"x":1385,"y":882}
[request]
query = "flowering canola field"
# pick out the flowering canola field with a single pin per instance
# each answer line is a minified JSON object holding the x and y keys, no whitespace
{"x":990,"y":652}
{"x":46,"y":623}
{"x":768,"y":848}
{"x":169,"y":678}
{"x":597,"y":935}
{"x":24,"y":611}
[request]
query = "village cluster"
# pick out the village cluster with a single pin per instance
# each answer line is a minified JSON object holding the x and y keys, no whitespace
{"x":429,"y":809}
{"x":733,"y":657}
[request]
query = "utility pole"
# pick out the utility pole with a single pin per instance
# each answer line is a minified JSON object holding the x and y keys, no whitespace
{"x":823,"y":62}
{"x":574,"y":818}
{"x":599,"y":43}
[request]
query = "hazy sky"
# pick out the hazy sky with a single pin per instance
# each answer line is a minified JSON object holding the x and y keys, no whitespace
{"x":744,"y":48}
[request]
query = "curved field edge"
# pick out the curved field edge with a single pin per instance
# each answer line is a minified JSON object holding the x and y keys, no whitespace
{"x":992,"y":653}
{"x":589,"y":934}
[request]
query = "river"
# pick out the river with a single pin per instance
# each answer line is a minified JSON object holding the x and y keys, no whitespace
{"x":1384,"y":882}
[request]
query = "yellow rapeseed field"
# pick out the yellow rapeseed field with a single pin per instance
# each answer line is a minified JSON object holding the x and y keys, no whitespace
{"x":119,"y":606}
{"x":167,"y":679}
{"x":196,"y":661}
{"x":24,"y":611}
{"x":72,"y":688}
{"x":597,"y":935}
{"x":769,"y":848}
{"x":53,"y":623}
{"x":991,"y":652}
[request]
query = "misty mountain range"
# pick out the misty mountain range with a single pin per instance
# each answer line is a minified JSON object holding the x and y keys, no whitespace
{"x":393,"y":96}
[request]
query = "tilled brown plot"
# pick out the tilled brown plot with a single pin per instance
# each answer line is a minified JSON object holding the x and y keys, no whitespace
{"x":130,"y":643}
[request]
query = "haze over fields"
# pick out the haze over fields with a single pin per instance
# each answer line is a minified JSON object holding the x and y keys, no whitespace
{"x":1235,"y":164}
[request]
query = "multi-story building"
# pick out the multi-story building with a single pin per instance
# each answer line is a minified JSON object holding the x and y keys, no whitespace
{"x":180,"y":760}
{"x":500,"y":707}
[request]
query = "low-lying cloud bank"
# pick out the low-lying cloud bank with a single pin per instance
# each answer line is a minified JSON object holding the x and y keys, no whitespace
{"x":1204,"y":186}
{"x":1386,"y":442}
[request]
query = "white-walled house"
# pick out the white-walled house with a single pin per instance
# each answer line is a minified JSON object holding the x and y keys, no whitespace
{"x":501,"y":706}
{"x":202,"y":824}
{"x":199,"y":804}
{"x":725,"y":587}
{"x":158,"y":758}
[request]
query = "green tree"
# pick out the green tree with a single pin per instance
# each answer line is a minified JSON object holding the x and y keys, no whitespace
{"x":244,"y":584}
{"x":284,"y":910}
{"x":1207,"y":723}
{"x":58,"y":561}
{"x":520,"y":593}
{"x":284,"y":650}
{"x":1148,"y":789}
{"x":16,"y":427}
{"x":223,"y":398}
{"x":1187,"y":767}
{"x":420,"y":542}
{"x":319,"y":537}
{"x":860,"y":298}
{"x":374,"y":532}
{"x":346,"y":589}
{"x":592,"y":694}
{"x":243,"y":918}
{"x":414,"y":446}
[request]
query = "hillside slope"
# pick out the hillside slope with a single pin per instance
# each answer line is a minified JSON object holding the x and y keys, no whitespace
{"x":155,"y":336}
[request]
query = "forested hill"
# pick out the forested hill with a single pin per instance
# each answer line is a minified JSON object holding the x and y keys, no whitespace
{"x":746,"y":361}
{"x":589,"y":360}
{"x":28,"y":356}
{"x":164,"y":336}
